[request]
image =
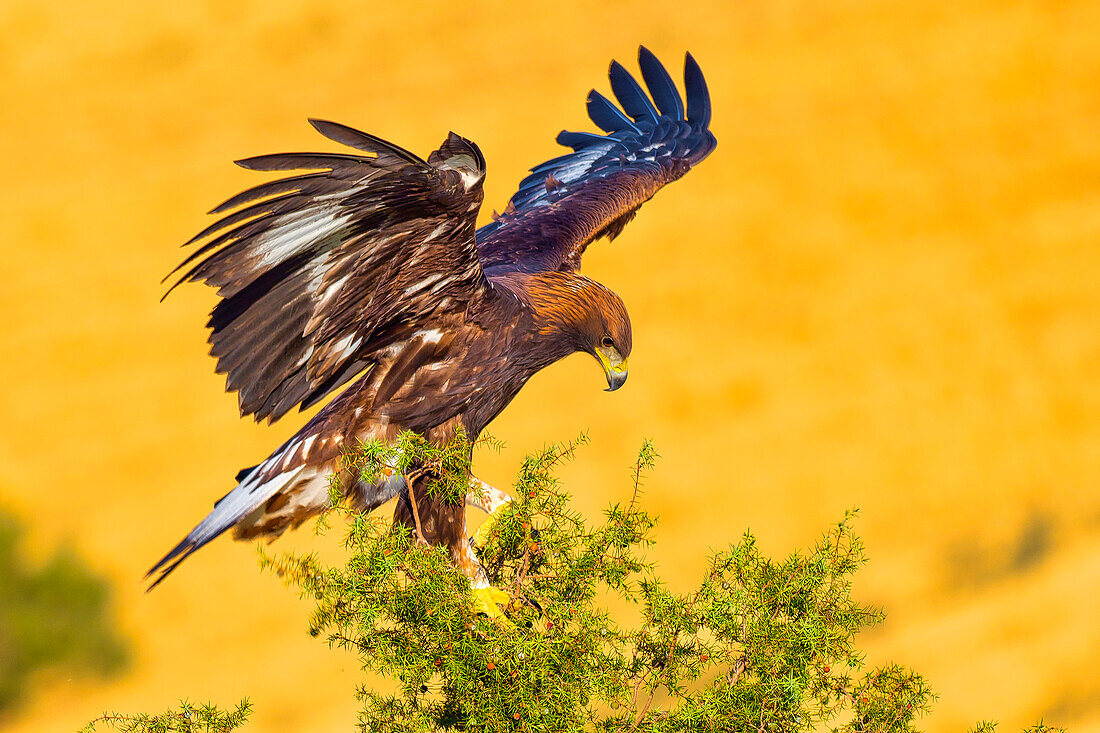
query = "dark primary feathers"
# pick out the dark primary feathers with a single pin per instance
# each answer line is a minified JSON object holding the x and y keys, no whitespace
{"x":320,"y":272}
{"x":571,"y":200}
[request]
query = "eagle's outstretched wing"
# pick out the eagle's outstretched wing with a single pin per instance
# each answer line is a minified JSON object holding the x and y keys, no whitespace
{"x":569,"y":201}
{"x":320,"y":272}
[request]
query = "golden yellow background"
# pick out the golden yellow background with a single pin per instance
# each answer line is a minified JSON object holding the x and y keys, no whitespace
{"x":880,"y":291}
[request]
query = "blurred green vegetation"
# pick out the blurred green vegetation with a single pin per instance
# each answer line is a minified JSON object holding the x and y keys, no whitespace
{"x":54,"y":615}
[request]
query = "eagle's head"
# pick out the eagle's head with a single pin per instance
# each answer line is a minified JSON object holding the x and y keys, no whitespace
{"x":579,"y":314}
{"x":605,"y":334}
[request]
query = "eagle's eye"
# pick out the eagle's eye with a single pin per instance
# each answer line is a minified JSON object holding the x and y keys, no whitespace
{"x":607,"y":342}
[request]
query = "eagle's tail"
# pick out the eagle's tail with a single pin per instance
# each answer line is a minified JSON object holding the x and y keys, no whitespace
{"x":256,"y":491}
{"x":266,"y":505}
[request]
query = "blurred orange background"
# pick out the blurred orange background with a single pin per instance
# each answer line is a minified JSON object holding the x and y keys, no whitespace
{"x":882,"y":290}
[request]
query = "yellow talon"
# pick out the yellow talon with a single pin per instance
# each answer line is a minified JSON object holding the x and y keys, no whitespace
{"x":481,"y":536}
{"x":489,"y":600}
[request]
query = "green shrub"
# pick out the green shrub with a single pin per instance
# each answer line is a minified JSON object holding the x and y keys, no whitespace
{"x":759,"y":644}
{"x":187,"y":718}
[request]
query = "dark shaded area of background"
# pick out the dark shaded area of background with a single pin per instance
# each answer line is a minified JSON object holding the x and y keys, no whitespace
{"x":55,"y":617}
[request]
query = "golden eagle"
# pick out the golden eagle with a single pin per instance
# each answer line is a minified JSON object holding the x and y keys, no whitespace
{"x":369,"y":265}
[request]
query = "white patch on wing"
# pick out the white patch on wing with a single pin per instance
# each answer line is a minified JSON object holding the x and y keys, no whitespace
{"x":578,"y":166}
{"x":430,"y":337}
{"x":416,"y":287}
{"x":347,"y":345}
{"x":469,"y":179}
{"x":292,"y":232}
{"x":464,"y":166}
{"x":436,"y":232}
{"x":346,"y":193}
{"x":441,"y":283}
{"x":331,"y":289}
{"x":305,"y":355}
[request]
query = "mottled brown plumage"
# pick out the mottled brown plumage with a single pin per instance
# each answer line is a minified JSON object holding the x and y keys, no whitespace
{"x":368,"y":268}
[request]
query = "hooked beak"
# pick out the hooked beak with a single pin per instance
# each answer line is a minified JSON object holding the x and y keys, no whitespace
{"x":614,"y":367}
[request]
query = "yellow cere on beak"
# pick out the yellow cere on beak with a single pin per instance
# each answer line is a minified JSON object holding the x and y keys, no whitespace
{"x":614,"y":367}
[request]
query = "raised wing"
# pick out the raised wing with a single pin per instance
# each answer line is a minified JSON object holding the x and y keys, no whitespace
{"x":320,"y":272}
{"x":569,"y":201}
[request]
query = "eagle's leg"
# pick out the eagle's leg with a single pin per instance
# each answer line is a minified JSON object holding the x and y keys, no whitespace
{"x":487,"y":599}
{"x":442,"y":523}
{"x":488,"y":499}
